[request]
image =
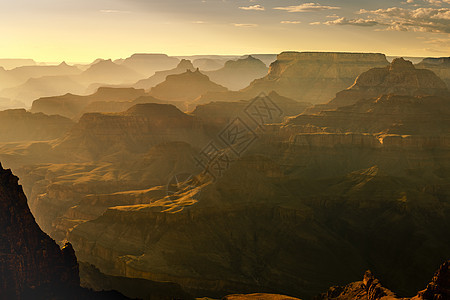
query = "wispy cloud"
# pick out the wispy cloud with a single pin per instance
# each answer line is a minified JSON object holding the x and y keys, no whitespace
{"x":306,"y":7}
{"x":253,"y":7}
{"x":424,"y":19}
{"x":114,"y":11}
{"x":290,"y":22}
{"x":355,"y":22}
{"x":245,"y":25}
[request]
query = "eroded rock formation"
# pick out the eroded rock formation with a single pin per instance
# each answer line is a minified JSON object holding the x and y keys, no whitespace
{"x":238,"y":74}
{"x":314,"y":77}
{"x":29,"y":258}
{"x":399,"y":78}
{"x":185,"y":87}
{"x":72,"y":106}
{"x":160,"y":76}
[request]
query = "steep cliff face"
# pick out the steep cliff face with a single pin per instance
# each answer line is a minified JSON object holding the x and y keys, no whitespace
{"x":148,"y":63}
{"x":46,"y":86}
{"x":370,"y":288}
{"x":135,"y":131}
{"x":106,"y":71}
{"x":313,"y":76}
{"x":387,"y":114}
{"x":439,"y":287}
{"x":29,"y":259}
{"x":160,"y":76}
{"x":238,"y":74}
{"x":20,"y":125}
{"x":185,"y":87}
{"x":313,"y":211}
{"x":222,"y":112}
{"x":119,"y":106}
{"x":440,"y":66}
{"x":71,"y":106}
{"x":399,"y":78}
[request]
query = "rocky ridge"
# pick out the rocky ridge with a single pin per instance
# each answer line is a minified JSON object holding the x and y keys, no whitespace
{"x":399,"y":78}
{"x":29,"y":258}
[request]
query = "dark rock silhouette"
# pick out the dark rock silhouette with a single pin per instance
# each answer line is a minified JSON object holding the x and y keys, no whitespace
{"x":29,"y":258}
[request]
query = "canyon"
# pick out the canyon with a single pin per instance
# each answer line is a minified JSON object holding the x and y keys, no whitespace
{"x":285,"y":196}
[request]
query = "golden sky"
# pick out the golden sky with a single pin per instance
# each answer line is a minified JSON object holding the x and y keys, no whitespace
{"x":83,"y":30}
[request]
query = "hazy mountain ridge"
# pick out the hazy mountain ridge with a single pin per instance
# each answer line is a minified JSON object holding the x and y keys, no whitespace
{"x":318,"y":195}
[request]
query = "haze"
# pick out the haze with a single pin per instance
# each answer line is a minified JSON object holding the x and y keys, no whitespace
{"x":80,"y":31}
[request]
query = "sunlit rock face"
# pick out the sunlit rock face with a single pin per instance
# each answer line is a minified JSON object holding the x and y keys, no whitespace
{"x":440,"y":66}
{"x":29,"y":258}
{"x":160,"y":76}
{"x":359,"y":180}
{"x":19,"y":125}
{"x":238,"y":74}
{"x":314,"y":76}
{"x":135,"y":131}
{"x":313,"y":202}
{"x":72,"y":106}
{"x":185,"y":87}
{"x":222,"y":112}
{"x":399,"y":78}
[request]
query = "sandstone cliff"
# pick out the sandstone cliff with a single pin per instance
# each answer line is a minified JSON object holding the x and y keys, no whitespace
{"x":238,"y":74}
{"x":149,"y":63}
{"x":387,"y":114}
{"x":160,"y":76}
{"x":440,"y":66}
{"x":135,"y":131}
{"x":399,"y":78}
{"x":185,"y":87}
{"x":313,"y":76}
{"x":20,"y":125}
{"x":71,"y":106}
{"x":222,"y":112}
{"x":106,"y":71}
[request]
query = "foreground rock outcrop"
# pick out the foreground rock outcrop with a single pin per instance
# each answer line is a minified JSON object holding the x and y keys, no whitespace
{"x":370,"y":288}
{"x":29,"y":259}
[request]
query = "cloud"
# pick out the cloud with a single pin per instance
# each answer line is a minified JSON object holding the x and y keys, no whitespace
{"x":355,"y":22}
{"x":315,"y":23}
{"x":290,"y":22}
{"x":438,"y":2}
{"x":245,"y":25}
{"x":114,"y":11}
{"x":253,"y":7}
{"x":432,"y":2}
{"x":306,"y":7}
{"x":423,"y":19}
